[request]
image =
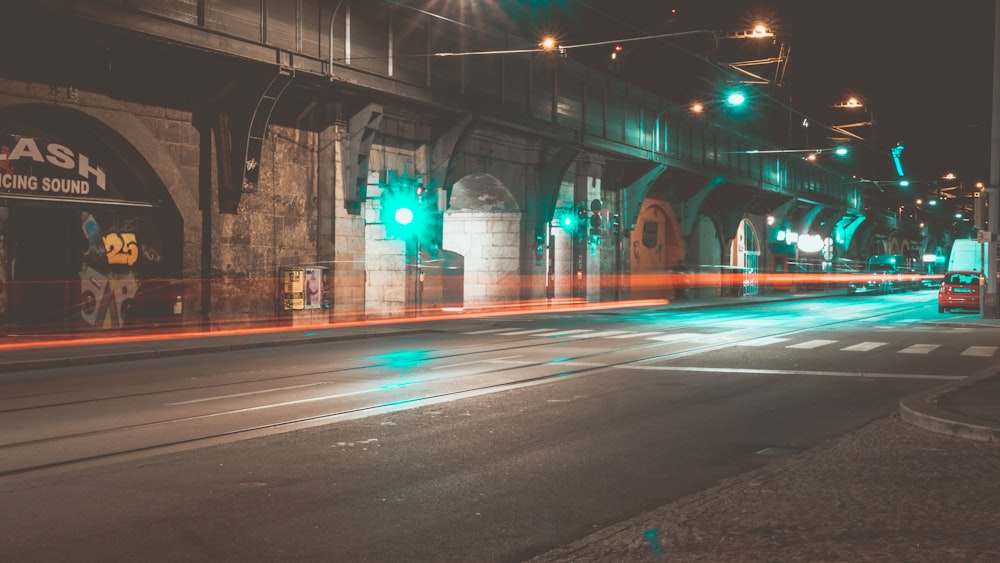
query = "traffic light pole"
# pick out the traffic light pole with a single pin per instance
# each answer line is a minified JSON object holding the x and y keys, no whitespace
{"x":419,"y":289}
{"x":550,"y":265}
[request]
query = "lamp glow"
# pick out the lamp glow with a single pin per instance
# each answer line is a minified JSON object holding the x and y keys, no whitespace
{"x":810,"y":243}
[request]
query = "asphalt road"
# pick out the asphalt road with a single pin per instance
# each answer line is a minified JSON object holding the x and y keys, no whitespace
{"x":491,"y":439}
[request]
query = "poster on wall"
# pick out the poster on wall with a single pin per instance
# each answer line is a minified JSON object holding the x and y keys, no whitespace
{"x":313,"y":288}
{"x":293,"y":289}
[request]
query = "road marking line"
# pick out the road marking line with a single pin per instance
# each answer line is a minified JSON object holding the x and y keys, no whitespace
{"x":487,"y":331}
{"x":564,"y":332}
{"x":920,"y":349}
{"x":984,"y":351}
{"x":864,"y":346}
{"x":488,"y":360}
{"x":762,"y":341}
{"x":810,"y":344}
{"x":601,"y":334}
{"x":794,"y":372}
{"x":520,"y":332}
{"x":273,"y":405}
{"x":638,"y":334}
{"x":676,"y":336}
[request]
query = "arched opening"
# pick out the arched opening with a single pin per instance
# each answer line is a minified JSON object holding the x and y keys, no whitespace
{"x":483,"y":226}
{"x":88,"y":231}
{"x":744,"y":259}
{"x":706,"y":247}
{"x":656,"y":251}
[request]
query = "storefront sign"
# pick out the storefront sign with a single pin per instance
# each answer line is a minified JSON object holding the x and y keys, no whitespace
{"x":46,"y":168}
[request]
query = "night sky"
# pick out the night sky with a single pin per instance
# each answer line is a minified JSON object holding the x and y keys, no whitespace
{"x":925,"y":68}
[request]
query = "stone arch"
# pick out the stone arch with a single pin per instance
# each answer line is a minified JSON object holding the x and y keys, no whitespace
{"x":905,"y":250}
{"x":876,"y":246}
{"x":656,"y":247}
{"x":705,"y":246}
{"x":125,"y":200}
{"x":128,"y":139}
{"x":484,"y":226}
{"x":482,"y":193}
{"x":744,"y":255}
{"x":894,"y":247}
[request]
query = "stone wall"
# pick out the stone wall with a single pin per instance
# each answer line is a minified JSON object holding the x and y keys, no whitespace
{"x":491,"y":245}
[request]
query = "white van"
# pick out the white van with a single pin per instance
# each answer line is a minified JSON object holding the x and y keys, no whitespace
{"x":966,"y":256}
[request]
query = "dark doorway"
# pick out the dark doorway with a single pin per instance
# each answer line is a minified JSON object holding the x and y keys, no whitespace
{"x":45,"y":268}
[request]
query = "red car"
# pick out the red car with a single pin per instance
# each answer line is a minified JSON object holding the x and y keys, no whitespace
{"x":959,"y":290}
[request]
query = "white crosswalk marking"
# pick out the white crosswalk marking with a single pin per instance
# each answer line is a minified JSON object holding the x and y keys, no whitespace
{"x":810,"y":344}
{"x":864,"y":347}
{"x":762,"y":341}
{"x":722,"y":337}
{"x":984,"y":351}
{"x":920,"y":349}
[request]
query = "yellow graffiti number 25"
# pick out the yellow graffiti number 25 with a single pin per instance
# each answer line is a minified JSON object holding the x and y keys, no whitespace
{"x":121,"y":248}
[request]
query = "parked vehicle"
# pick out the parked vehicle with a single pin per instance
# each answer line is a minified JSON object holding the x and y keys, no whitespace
{"x":966,"y":256}
{"x":959,"y":290}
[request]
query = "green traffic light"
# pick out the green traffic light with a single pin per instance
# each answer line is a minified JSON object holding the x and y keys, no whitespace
{"x":405,"y":212}
{"x":736,"y":99}
{"x":567,"y":219}
{"x":404,"y":216}
{"x":840,"y":151}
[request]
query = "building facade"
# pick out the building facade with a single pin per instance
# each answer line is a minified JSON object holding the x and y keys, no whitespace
{"x":166,"y":174}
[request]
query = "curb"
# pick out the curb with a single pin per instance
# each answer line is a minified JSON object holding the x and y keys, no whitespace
{"x":923,"y":411}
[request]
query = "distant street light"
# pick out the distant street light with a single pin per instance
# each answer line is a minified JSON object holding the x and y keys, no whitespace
{"x":551,"y":44}
{"x":839,"y":151}
{"x":694,"y":108}
{"x":736,"y":99}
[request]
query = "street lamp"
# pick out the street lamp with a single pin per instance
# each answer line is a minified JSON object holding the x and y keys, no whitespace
{"x":853,"y":103}
{"x":694,"y":108}
{"x":734,"y":99}
{"x":880,"y":183}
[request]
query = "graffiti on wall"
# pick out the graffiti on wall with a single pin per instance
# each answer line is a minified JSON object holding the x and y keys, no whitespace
{"x":119,"y":254}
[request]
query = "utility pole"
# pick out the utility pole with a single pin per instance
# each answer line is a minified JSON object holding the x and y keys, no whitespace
{"x":990,"y":305}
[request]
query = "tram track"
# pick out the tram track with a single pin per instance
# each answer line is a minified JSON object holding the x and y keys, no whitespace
{"x":106,"y":435}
